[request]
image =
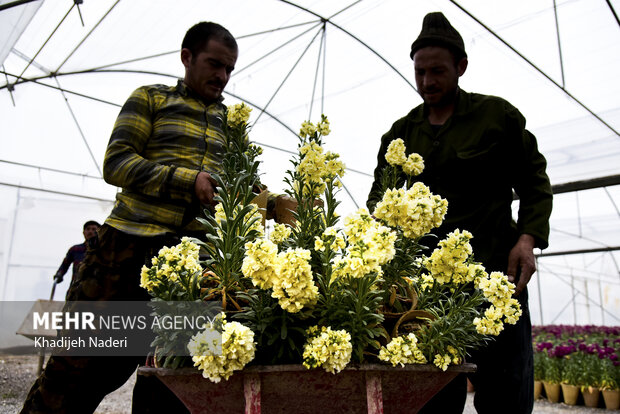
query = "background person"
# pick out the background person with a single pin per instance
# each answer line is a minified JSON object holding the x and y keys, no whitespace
{"x":476,"y":151}
{"x":76,"y":253}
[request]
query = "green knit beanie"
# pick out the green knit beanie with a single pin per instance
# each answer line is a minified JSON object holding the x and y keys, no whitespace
{"x":437,"y":31}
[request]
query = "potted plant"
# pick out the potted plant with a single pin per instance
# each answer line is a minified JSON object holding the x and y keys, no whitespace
{"x":597,"y":348}
{"x":539,"y":373}
{"x":591,"y":376}
{"x":571,"y":371}
{"x":321,"y":293}
{"x":553,"y":373}
{"x":610,"y":382}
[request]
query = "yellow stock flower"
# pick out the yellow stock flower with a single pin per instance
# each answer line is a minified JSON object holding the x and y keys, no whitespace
{"x":415,"y":211}
{"x":442,"y":361}
{"x":456,"y":359}
{"x":327,"y":348}
{"x":280,"y":233}
{"x":294,"y":287}
{"x":402,"y":350}
{"x":307,"y":129}
{"x":426,"y":282}
{"x":447,"y":262}
{"x":414,"y":165}
{"x":356,"y":225}
{"x":260,"y":263}
{"x":496,"y":288}
{"x":512,"y":311}
{"x":146,"y":280}
{"x":323,"y":127}
{"x":170,"y":264}
{"x":318,"y":168}
{"x":395,"y":154}
{"x":339,"y":242}
{"x":333,"y":166}
{"x":488,"y":326}
{"x":238,"y":114}
{"x":318,"y":244}
{"x":371,"y":245}
{"x":238,"y":349}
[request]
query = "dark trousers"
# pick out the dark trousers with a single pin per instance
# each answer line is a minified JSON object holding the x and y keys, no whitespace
{"x":504,"y":379}
{"x":69,"y":384}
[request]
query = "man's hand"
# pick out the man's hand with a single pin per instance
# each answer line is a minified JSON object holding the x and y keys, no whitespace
{"x":204,"y":187}
{"x":58,"y":278}
{"x":521,"y":262}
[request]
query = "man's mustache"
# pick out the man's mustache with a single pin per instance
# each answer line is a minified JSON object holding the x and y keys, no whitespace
{"x":216,"y":83}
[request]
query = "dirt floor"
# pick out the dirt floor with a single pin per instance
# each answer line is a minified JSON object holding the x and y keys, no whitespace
{"x":18,"y":372}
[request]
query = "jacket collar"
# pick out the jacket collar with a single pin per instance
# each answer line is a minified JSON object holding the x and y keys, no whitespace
{"x":461,"y":107}
{"x":185,"y":90}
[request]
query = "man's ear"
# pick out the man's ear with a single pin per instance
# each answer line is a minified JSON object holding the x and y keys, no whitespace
{"x":461,"y":67}
{"x":186,"y":56}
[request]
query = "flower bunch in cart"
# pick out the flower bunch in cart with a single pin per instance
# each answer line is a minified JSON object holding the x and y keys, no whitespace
{"x":328,"y":292}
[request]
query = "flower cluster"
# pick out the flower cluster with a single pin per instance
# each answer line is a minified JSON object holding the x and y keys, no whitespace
{"x":448,"y":263}
{"x":309,"y":129}
{"x":416,"y":211}
{"x":497,"y":289}
{"x":238,"y":349}
{"x":443,"y":361}
{"x":327,"y":348}
{"x":238,"y":115}
{"x":294,"y":287}
{"x":451,"y":264}
{"x":280,"y":233}
{"x":370,"y":245}
{"x":395,"y":155}
{"x":172,"y":265}
{"x":333,"y":237}
{"x":288,"y":273}
{"x":316,"y":167}
{"x":484,"y":301}
{"x":491,"y":323}
{"x":402,"y":350}
{"x":504,"y":308}
{"x":261,"y":263}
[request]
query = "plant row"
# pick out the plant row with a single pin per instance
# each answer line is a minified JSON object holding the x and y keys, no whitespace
{"x":587,"y":357}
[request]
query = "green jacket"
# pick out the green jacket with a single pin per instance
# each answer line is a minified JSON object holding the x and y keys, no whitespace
{"x":475,"y":160}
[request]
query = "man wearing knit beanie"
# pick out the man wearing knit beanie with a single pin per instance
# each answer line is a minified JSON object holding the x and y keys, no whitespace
{"x":476,"y":152}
